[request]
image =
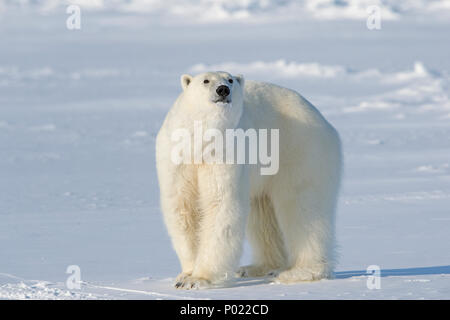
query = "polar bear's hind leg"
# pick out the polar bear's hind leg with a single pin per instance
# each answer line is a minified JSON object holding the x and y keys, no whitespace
{"x":265,"y":238}
{"x":307,"y":225}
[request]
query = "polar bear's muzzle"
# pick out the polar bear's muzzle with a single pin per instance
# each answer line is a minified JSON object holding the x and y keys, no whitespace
{"x":224,"y":94}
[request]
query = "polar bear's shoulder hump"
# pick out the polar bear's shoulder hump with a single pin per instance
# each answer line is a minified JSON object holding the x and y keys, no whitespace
{"x":256,"y":92}
{"x":261,"y":90}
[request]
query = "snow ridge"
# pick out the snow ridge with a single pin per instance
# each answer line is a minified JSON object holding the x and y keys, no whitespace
{"x":207,"y":11}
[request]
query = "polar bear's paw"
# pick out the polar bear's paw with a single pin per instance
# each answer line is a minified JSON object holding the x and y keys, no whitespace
{"x":188,"y":282}
{"x":299,"y":275}
{"x":253,"y":271}
{"x":182,"y":276}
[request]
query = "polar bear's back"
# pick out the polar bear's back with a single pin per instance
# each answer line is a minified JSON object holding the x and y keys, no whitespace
{"x":305,"y":136}
{"x":272,"y":106}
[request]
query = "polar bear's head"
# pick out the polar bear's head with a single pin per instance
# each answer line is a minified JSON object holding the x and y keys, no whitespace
{"x":214,"y":95}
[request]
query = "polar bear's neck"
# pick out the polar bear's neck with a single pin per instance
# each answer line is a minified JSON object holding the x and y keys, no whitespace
{"x":210,"y":116}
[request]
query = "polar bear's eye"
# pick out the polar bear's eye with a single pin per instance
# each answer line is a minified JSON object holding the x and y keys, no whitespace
{"x":230,"y":80}
{"x":205,"y":81}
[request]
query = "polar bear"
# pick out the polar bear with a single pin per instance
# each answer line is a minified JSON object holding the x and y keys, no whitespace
{"x":288,"y":217}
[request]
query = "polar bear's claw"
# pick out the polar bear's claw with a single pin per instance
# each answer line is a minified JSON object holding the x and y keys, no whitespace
{"x":274,"y":273}
{"x":190,"y":282}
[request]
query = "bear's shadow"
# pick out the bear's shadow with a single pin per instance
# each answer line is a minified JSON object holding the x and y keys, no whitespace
{"x":420,"y":271}
{"x":245,"y":282}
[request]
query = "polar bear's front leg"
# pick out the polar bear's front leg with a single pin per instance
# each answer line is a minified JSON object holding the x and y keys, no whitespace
{"x":183,"y":238}
{"x":223,"y":205}
{"x":178,"y":202}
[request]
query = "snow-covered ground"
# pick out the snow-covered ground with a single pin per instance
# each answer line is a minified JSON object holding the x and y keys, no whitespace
{"x":79,"y":111}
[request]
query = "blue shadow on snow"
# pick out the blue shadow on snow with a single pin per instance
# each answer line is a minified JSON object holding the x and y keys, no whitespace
{"x":396,"y":272}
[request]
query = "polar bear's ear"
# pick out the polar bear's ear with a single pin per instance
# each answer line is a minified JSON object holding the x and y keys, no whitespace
{"x":185,"y":81}
{"x":240,"y":79}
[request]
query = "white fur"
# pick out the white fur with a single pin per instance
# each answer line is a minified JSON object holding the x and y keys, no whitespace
{"x":289,"y":216}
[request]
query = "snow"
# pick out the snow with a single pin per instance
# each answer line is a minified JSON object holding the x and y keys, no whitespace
{"x":213,"y":11}
{"x":279,"y":68}
{"x":79,"y":112}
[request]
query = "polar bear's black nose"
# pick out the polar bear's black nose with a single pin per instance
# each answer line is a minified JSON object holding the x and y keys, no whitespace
{"x":223,"y":91}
